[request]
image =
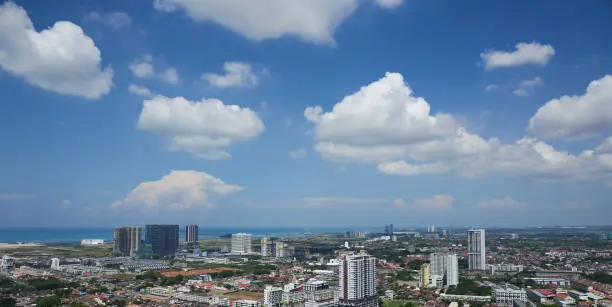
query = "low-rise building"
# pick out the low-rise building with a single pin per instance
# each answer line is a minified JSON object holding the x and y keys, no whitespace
{"x":564,"y":300}
{"x":192,"y":298}
{"x":559,"y":282}
{"x":505,"y":268}
{"x":505,"y":296}
{"x":92,"y":242}
{"x":160,"y":291}
{"x":577,"y":295}
{"x":246,"y":303}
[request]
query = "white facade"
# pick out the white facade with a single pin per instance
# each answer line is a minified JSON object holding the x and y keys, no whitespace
{"x":506,"y":296}
{"x":246,"y":303}
{"x":161,"y":291}
{"x":273,"y":296}
{"x":191,"y":234}
{"x":445,"y":265}
{"x":358,"y":280}
{"x":55,"y":263}
{"x":6,"y":263}
{"x":505,"y":268}
{"x":92,"y":242}
{"x":267,"y":248}
{"x":544,"y":281}
{"x":282,"y":249}
{"x":294,"y":298}
{"x":477,"y":259}
{"x":192,"y":298}
{"x":241,"y":243}
{"x":436,"y":281}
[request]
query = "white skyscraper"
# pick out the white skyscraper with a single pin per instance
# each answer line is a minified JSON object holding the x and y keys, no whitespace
{"x":358,"y":281}
{"x":241,"y":243}
{"x":192,"y":241}
{"x":445,"y":265}
{"x":477,"y":259}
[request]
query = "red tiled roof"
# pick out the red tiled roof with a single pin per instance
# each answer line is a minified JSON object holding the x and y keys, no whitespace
{"x":546,"y":292}
{"x":194,"y":272}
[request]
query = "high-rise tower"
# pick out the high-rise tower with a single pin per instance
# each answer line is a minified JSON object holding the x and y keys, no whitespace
{"x":445,"y":265}
{"x":477,"y":259}
{"x":358,"y":281}
{"x":192,"y":241}
{"x":164,"y":239}
{"x":241,"y":243}
{"x":127,"y":240}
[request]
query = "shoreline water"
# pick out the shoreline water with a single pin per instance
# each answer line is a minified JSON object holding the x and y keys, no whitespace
{"x":49,"y":235}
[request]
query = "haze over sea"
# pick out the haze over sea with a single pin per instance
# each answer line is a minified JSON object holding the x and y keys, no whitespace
{"x":75,"y":235}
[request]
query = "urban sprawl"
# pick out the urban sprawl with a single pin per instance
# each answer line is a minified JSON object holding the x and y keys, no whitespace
{"x":156,"y":265}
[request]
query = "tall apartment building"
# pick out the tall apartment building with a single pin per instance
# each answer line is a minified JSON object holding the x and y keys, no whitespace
{"x":127,"y":241}
{"x":164,"y":239}
{"x":273,"y":296}
{"x":192,"y":240}
{"x":389,"y":230}
{"x":241,"y":243}
{"x":424,"y":275}
{"x":477,"y":259}
{"x":267,"y":247}
{"x":445,"y":265}
{"x":358,"y":281}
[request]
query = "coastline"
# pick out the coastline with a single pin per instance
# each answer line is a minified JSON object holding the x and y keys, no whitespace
{"x":50,"y":235}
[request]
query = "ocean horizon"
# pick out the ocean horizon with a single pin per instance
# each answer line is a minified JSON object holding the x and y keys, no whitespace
{"x":74,"y":235}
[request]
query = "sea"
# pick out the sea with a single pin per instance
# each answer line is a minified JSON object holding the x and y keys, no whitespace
{"x":48,"y":235}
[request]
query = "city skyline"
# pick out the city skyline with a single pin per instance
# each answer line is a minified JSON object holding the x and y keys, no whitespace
{"x":375,"y":113}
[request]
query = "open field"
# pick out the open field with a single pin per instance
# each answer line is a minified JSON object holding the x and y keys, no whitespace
{"x":37,"y":250}
{"x":9,"y":246}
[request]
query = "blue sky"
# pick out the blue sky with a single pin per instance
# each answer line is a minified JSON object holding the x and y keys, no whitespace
{"x":321,"y":113}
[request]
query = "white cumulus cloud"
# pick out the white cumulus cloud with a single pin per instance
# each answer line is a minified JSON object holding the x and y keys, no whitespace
{"x":140,"y":90}
{"x":491,"y":87}
{"x":389,"y":4}
{"x":575,"y":116}
{"x":61,"y":58}
{"x":532,"y":53}
{"x":115,"y":20}
{"x":171,"y":76}
{"x":384,"y":123}
{"x":403,"y":168}
{"x":202,"y":128}
{"x":531,"y":82}
{"x":143,"y":67}
{"x":527,"y":86}
{"x":521,"y":92}
{"x":312,"y":21}
{"x":379,"y":120}
{"x":236,"y":74}
{"x":178,"y":190}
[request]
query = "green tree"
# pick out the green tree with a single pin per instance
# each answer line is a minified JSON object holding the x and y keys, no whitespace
{"x":48,"y":301}
{"x":46,"y":284}
{"x":119,"y":302}
{"x":601,"y":277}
{"x":7,"y":302}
